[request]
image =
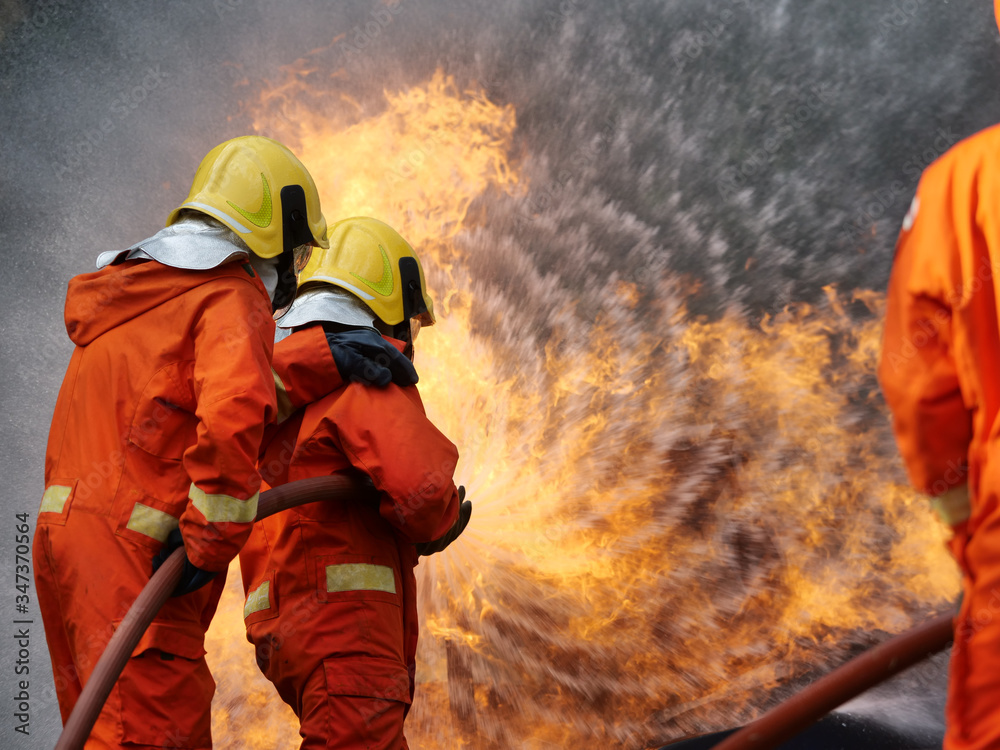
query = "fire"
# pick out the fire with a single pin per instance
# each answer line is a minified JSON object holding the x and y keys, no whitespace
{"x":673,"y":516}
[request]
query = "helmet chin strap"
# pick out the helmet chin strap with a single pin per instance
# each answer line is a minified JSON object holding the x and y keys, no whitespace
{"x":267,"y":269}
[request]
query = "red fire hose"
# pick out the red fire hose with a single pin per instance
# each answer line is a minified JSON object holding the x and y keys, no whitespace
{"x":157,"y":591}
{"x":808,"y":706}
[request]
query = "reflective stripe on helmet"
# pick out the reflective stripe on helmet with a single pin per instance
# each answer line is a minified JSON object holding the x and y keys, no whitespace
{"x":225,"y":218}
{"x":340,"y":282}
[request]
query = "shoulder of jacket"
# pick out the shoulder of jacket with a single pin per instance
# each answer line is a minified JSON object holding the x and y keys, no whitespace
{"x":969,"y":152}
{"x":235,"y":277}
{"x":236,"y":270}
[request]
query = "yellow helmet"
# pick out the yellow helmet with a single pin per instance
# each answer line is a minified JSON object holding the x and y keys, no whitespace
{"x":369,"y":259}
{"x":238,"y":182}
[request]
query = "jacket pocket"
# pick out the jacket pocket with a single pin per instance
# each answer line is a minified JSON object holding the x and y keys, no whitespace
{"x":365,"y":703}
{"x":164,"y":424}
{"x":183,"y":639}
{"x":165,"y":690}
{"x":367,"y":677}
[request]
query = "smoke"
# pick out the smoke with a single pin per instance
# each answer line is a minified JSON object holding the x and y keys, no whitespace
{"x":736,"y":155}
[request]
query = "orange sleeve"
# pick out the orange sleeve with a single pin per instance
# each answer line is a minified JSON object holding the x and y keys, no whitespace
{"x":917,"y":370}
{"x":304,"y":370}
{"x":233,"y":342}
{"x":385,"y":433}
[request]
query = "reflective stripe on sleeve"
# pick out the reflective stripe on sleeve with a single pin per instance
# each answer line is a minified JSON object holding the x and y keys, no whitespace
{"x":258,"y":599}
{"x":360,"y":577}
{"x":285,"y":408}
{"x":54,"y":498}
{"x":953,"y":506}
{"x":151,"y":522}
{"x":224,"y":508}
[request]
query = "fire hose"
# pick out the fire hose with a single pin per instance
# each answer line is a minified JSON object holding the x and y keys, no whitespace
{"x":809,"y":705}
{"x":161,"y":585}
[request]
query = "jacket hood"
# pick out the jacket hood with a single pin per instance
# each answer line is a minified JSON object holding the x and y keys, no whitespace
{"x":100,"y":301}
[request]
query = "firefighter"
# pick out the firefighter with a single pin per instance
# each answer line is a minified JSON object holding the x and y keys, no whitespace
{"x":940,"y":373}
{"x":157,"y":429}
{"x":331,"y":601}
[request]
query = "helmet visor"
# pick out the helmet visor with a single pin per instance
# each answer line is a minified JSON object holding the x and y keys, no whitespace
{"x":407,"y":332}
{"x":300,"y":257}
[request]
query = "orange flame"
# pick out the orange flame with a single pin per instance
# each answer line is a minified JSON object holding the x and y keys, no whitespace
{"x":664,"y":525}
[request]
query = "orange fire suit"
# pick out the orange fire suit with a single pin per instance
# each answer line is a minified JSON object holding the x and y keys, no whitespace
{"x":940,"y":372}
{"x":157,"y":425}
{"x":331,"y":594}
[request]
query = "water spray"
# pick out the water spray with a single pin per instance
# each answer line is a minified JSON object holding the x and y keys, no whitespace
{"x":874,"y":666}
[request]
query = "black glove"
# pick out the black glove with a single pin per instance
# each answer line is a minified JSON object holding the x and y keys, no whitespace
{"x":464,"y":514}
{"x":193,"y":577}
{"x":362,"y":356}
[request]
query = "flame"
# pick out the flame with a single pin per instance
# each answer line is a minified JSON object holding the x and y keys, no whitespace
{"x":674,"y":516}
